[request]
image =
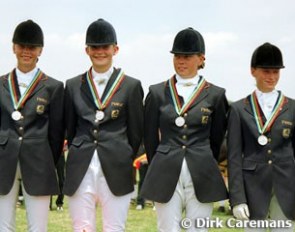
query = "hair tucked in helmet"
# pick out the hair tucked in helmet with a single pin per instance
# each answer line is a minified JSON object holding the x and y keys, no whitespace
{"x":267,"y":56}
{"x":100,"y":32}
{"x":28,"y":33}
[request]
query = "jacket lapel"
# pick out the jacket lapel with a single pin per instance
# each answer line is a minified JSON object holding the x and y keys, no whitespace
{"x":284,"y":107}
{"x":5,"y":82}
{"x":86,"y":89}
{"x":110,"y":83}
{"x":248,"y":108}
{"x":247,"y":105}
{"x":169,"y":97}
{"x":39,"y":86}
{"x":202,"y":95}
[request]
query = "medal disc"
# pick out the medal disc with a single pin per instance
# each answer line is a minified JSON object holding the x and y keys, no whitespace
{"x":262,"y":140}
{"x":99,"y":115}
{"x":179,"y":121}
{"x":16,"y":115}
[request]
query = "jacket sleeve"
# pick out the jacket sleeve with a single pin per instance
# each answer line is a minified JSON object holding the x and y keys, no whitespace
{"x":151,"y":125}
{"x":235,"y":150}
{"x":135,"y":117}
{"x":70,"y":115}
{"x":56,"y":122}
{"x":219,"y":124}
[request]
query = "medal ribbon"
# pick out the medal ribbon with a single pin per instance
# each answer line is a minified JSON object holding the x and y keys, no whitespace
{"x":258,"y":114}
{"x":19,"y":103}
{"x":176,"y":101}
{"x":103,"y":104}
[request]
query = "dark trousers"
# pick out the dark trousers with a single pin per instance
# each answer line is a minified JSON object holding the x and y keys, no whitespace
{"x":142,"y":172}
{"x":60,"y":169}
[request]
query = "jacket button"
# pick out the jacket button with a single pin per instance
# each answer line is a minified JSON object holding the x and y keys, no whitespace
{"x":270,"y":162}
{"x":20,"y":138}
{"x":184,"y":137}
{"x":95,"y":141}
{"x":269,"y":152}
{"x":183,"y":147}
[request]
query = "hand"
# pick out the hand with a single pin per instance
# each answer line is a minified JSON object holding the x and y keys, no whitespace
{"x":241,"y":212}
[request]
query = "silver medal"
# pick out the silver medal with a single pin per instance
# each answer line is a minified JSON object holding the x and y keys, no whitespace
{"x":262,"y":140}
{"x":179,"y":121}
{"x":99,"y":115}
{"x":16,"y":115}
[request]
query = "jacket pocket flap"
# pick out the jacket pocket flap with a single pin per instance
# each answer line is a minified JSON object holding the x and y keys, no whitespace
{"x":3,"y":140}
{"x":251,"y":166}
{"x":163,"y":148}
{"x":77,"y":142}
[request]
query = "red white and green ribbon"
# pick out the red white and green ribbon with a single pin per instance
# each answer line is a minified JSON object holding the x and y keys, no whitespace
{"x":264,"y":127}
{"x":19,"y":103}
{"x":180,"y":109}
{"x":102,"y":104}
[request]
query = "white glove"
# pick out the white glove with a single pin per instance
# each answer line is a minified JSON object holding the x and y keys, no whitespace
{"x":241,"y":212}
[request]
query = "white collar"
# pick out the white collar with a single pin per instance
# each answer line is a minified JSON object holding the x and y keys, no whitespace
{"x":191,"y":81}
{"x":268,"y":94}
{"x":30,"y":74}
{"x":99,"y":76}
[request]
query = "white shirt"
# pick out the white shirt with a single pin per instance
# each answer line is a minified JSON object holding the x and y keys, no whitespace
{"x":24,"y":79}
{"x":185,"y":87}
{"x":101,"y":79}
{"x":94,"y":170}
{"x":267,"y":101}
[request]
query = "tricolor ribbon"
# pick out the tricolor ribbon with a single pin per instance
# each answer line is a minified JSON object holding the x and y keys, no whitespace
{"x":264,"y":127}
{"x":180,"y":109}
{"x":19,"y":103}
{"x":102,"y":104}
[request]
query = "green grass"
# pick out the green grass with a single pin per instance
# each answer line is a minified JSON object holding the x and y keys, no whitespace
{"x":138,"y":221}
